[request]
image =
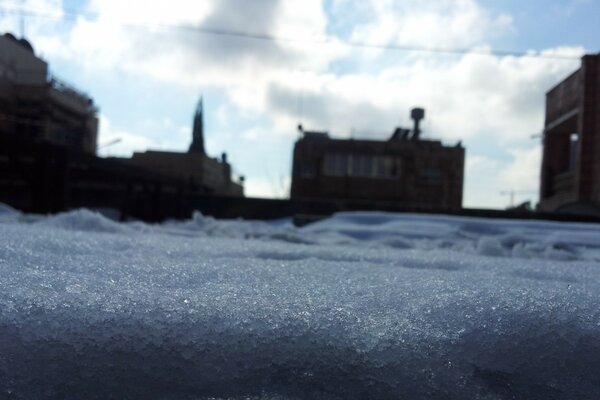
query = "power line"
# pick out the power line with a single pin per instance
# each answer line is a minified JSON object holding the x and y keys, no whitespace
{"x":273,"y":38}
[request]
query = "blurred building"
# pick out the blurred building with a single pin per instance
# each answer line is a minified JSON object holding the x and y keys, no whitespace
{"x":570,"y":176}
{"x":405,"y":170}
{"x":38,"y":106}
{"x":203,"y":173}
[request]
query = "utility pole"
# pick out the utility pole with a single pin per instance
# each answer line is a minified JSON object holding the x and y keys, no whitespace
{"x":22,"y":19}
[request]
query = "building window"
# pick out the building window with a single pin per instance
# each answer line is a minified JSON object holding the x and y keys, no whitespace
{"x":336,"y":164}
{"x":430,"y":176}
{"x":361,"y":165}
{"x":387,"y":167}
{"x":308,"y":171}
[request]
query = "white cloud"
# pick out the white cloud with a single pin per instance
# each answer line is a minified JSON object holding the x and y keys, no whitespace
{"x":251,"y":134}
{"x":160,"y":39}
{"x":434,"y":23}
{"x":493,"y":183}
{"x":465,"y":96}
{"x":490,"y":97}
{"x":481,"y":189}
{"x":266,"y":188}
{"x":523,"y":174}
{"x":153,"y":14}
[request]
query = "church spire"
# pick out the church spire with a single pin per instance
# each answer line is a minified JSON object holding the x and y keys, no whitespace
{"x":197,"y":145}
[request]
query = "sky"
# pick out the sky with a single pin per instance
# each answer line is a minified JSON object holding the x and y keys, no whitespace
{"x":146,"y":64}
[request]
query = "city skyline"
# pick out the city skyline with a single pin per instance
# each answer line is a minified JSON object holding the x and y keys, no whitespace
{"x":264,"y":69}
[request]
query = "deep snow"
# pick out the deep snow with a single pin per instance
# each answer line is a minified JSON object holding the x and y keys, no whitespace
{"x":362,"y":305}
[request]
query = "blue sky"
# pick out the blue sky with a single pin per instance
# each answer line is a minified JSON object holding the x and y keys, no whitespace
{"x":146,"y":73}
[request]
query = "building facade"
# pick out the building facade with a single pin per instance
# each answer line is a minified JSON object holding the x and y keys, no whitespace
{"x":38,"y":106}
{"x":404,"y":170}
{"x":204,"y":174}
{"x":570,"y":174}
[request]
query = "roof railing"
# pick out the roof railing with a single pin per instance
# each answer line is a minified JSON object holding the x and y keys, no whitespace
{"x":64,"y":87}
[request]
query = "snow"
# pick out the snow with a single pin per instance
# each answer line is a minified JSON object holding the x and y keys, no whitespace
{"x":7,"y":213}
{"x":362,"y":305}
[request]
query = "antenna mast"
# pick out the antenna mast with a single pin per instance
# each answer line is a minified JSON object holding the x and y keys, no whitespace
{"x":22,"y":19}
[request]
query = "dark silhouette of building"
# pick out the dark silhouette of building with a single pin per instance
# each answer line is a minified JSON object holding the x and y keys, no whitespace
{"x":38,"y":106}
{"x":570,"y":176}
{"x":197,"y":145}
{"x":404,"y":170}
{"x":203,"y":173}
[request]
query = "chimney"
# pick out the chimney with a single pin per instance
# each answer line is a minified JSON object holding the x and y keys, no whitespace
{"x":417,"y":114}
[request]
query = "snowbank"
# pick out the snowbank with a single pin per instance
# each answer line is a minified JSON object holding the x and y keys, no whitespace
{"x":363,"y":305}
{"x":8,"y":214}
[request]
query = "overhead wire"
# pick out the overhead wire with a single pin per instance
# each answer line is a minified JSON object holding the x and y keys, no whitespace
{"x":205,"y":30}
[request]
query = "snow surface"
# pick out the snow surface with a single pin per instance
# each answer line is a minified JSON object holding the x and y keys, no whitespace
{"x":362,"y":305}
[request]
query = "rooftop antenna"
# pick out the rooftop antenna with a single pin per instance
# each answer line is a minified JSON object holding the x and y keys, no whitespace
{"x":22,"y":19}
{"x":300,"y":91}
{"x":301,"y":106}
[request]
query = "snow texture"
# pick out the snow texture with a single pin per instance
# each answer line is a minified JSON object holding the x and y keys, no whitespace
{"x":359,"y":306}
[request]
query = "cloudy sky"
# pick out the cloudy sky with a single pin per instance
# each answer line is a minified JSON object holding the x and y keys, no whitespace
{"x":146,"y":64}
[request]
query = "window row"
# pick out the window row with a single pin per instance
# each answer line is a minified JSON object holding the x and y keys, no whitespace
{"x":359,"y":165}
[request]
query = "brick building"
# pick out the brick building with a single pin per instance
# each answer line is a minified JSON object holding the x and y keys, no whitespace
{"x":570,"y":176}
{"x":35,"y":105}
{"x":405,"y":170}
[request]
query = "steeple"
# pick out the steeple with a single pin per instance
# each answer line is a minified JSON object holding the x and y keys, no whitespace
{"x":197,"y":145}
